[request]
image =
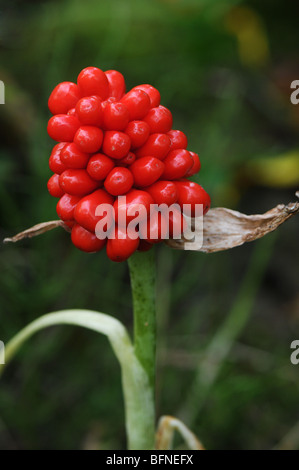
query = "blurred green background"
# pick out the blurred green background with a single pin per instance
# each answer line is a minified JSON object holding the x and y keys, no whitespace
{"x":224,"y":68}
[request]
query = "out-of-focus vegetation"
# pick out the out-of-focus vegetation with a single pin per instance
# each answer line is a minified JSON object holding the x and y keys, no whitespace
{"x":224,"y":68}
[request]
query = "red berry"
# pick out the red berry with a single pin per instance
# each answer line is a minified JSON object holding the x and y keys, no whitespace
{"x":157,"y":145}
{"x":159,"y":119}
{"x":85,"y":212}
{"x":153,"y":93}
{"x":107,"y":102}
{"x":99,"y":166}
{"x":72,"y":156}
{"x":122,"y":246}
{"x":77,"y":182}
{"x":138,"y":131}
{"x":89,"y":111}
{"x":85,"y":240}
{"x":178,"y":140}
{"x":53,"y":186}
{"x":138,"y":104}
{"x":55,"y":163}
{"x":196,"y":164}
{"x":72,"y":112}
{"x":117,"y":86}
{"x":177,"y":164}
{"x":116,"y":144}
{"x":116,"y":116}
{"x":89,"y":139}
{"x":129,"y":206}
{"x":93,"y":81}
{"x":163,"y":192}
{"x":146,"y":171}
{"x":127,"y":160}
{"x":62,"y":127}
{"x":66,"y":206}
{"x":192,"y":193}
{"x":69,"y":224}
{"x":64,"y":97}
{"x":119,"y":181}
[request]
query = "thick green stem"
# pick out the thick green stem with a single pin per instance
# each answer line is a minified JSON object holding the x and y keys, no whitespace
{"x":142,"y":273}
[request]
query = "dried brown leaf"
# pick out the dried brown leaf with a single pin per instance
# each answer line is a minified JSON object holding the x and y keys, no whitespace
{"x":165,"y":433}
{"x":37,"y":230}
{"x":224,"y":228}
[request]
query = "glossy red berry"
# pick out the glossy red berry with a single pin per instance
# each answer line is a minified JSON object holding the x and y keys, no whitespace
{"x":55,"y":163}
{"x":69,"y":223}
{"x":196,"y":164}
{"x":192,"y":193}
{"x":72,"y":112}
{"x":93,"y":81}
{"x":146,"y":171}
{"x":85,"y":212}
{"x":178,"y":140}
{"x":89,"y":139}
{"x":163,"y":192}
{"x":66,"y":206}
{"x":135,"y":202}
{"x":153,"y":93}
{"x":89,"y":111}
{"x":85,"y":240}
{"x":63,"y":127}
{"x":73,"y":157}
{"x":122,"y":246}
{"x":117,"y":86}
{"x":64,"y":97}
{"x":139,"y":132}
{"x":116,"y":144}
{"x":127,"y":160}
{"x":177,"y":164}
{"x":107,"y":102}
{"x":77,"y":182}
{"x":159,"y":120}
{"x":115,"y":116}
{"x":157,"y":145}
{"x":99,"y":166}
{"x":138,"y":104}
{"x":53,"y":186}
{"x":119,"y":181}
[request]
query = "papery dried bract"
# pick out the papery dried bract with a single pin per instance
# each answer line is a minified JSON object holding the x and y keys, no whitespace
{"x":224,"y":228}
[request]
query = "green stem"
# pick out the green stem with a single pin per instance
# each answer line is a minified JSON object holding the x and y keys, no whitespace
{"x":142,"y":273}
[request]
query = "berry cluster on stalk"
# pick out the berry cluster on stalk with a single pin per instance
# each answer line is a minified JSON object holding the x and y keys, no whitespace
{"x":110,"y":144}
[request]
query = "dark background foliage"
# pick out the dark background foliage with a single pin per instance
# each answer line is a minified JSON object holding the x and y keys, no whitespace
{"x":224,"y":68}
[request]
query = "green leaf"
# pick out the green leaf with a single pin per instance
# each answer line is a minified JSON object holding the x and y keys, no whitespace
{"x":135,"y":381}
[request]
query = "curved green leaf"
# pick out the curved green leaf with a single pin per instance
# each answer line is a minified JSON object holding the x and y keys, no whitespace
{"x":136,"y":389}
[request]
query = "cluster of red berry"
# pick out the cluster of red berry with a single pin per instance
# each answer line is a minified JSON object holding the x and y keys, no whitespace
{"x":113,"y":143}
